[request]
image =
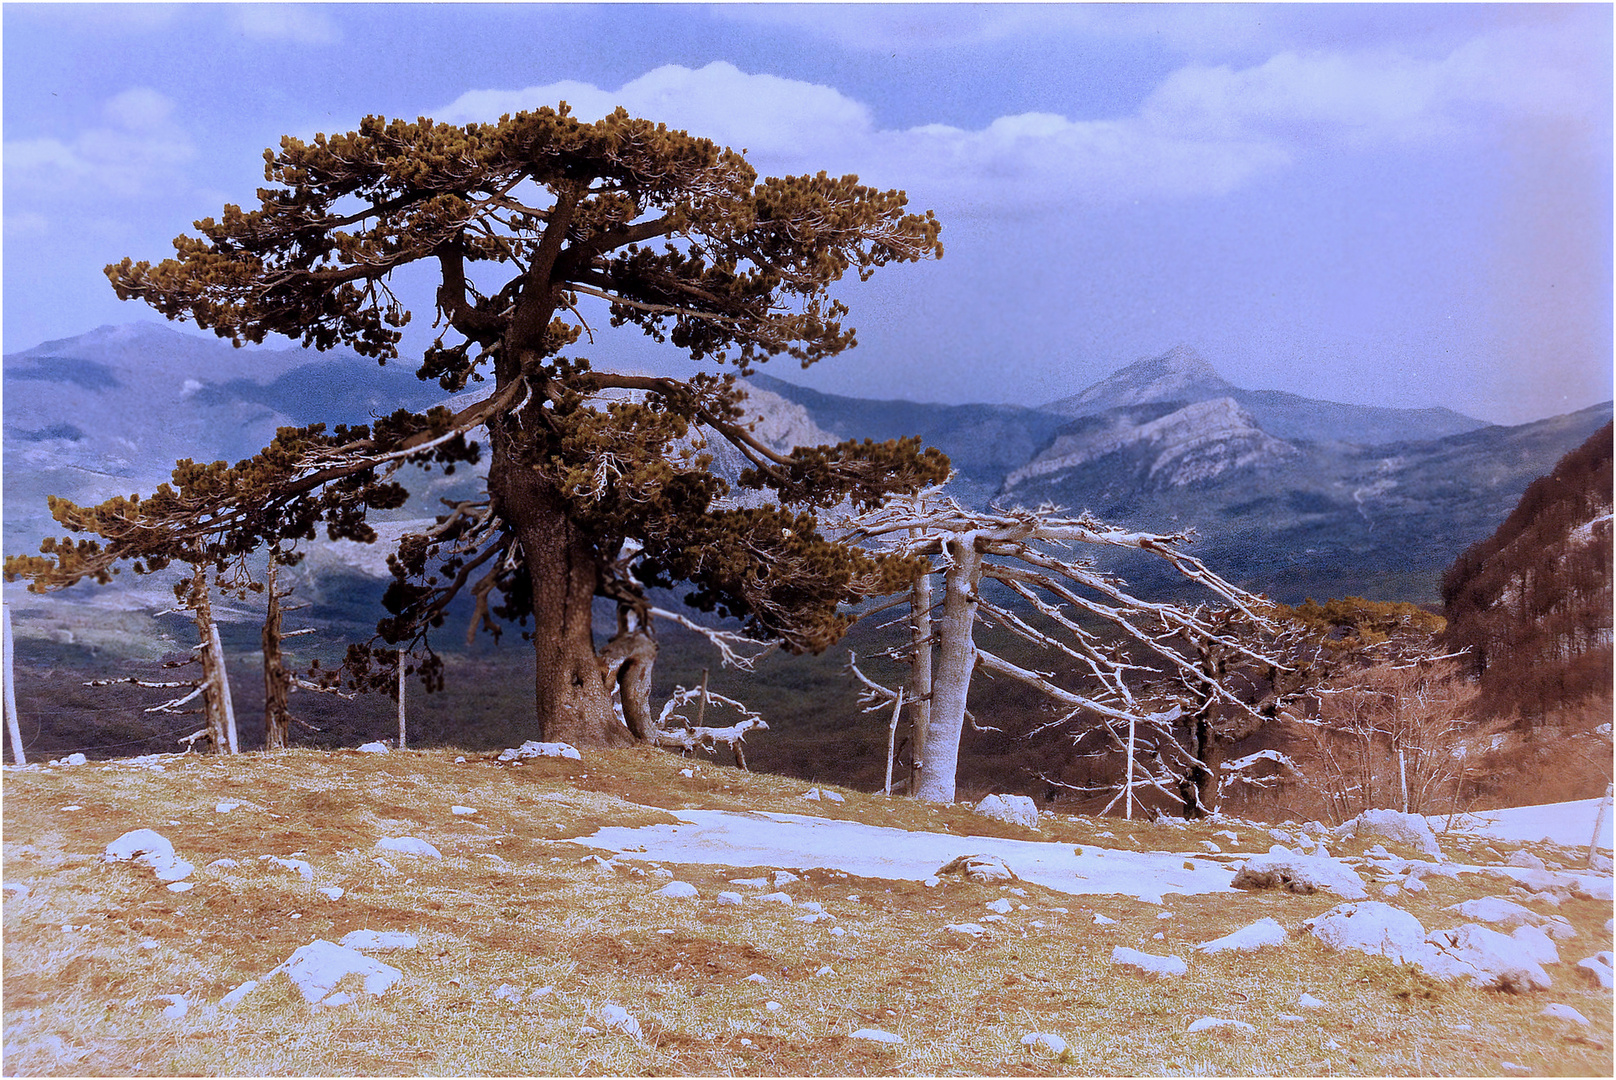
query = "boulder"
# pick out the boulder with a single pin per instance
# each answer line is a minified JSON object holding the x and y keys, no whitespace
{"x":1410,"y":829}
{"x":1303,"y":874}
{"x":1507,"y":913}
{"x":1016,"y":809}
{"x":1598,"y":966}
{"x":149,"y":849}
{"x":1486,"y":958}
{"x":532,"y":749}
{"x":1148,"y":963}
{"x":317,"y":968}
{"x":1261,"y":933}
{"x":409,"y":845}
{"x":1370,"y":927}
{"x":984,"y":869}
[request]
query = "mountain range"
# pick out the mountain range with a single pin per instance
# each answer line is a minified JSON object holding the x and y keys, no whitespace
{"x":1286,"y":494}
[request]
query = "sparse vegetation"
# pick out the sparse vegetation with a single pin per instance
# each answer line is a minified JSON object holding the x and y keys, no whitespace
{"x":89,"y":945}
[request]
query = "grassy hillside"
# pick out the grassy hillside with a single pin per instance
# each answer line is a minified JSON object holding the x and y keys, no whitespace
{"x":523,"y":939}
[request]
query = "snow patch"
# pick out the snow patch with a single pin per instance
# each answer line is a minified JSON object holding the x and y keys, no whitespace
{"x":1259,"y":934}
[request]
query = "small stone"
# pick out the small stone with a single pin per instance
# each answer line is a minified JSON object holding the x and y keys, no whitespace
{"x":876,"y":1035}
{"x":460,"y":761}
{"x":969,"y":929}
{"x":1043,"y":1040}
{"x":374,"y":748}
{"x":1308,"y":1001}
{"x":80,"y":759}
{"x":784,"y":877}
{"x":617,"y":1018}
{"x":462,"y":811}
{"x":678,"y":890}
{"x":1101,"y":920}
{"x":777,"y":898}
{"x":1565,"y":1012}
{"x":826,"y":970}
{"x":756,"y":978}
{"x":177,"y":1007}
{"x":1206,"y":1023}
{"x":409,"y":845}
{"x":1001,"y":905}
{"x":729,"y":898}
{"x":181,"y":886}
{"x":688,"y":774}
{"x":772,"y":1006}
{"x":331,"y":892}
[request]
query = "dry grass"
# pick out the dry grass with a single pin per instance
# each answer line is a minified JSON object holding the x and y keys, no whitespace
{"x":90,"y":946}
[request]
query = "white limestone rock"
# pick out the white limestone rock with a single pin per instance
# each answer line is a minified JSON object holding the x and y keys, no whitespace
{"x":1301,"y":874}
{"x":1045,"y":1041}
{"x":1508,"y":914}
{"x":316,"y":969}
{"x":1017,"y":809}
{"x":1599,"y":966}
{"x":532,"y":749}
{"x":148,"y":848}
{"x":983,"y":869}
{"x":876,"y":1035}
{"x":409,"y":845}
{"x":1409,"y":829}
{"x":1209,"y":1023}
{"x":1259,"y":934}
{"x":678,"y":890}
{"x":1370,"y":927}
{"x":1148,"y":963}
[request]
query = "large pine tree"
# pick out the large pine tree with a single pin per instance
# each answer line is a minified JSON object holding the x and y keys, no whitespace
{"x":597,"y":485}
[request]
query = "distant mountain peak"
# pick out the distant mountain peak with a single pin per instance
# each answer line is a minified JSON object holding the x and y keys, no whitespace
{"x":1179,"y":374}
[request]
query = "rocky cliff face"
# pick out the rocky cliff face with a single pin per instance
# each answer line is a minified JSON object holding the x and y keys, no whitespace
{"x":1191,"y":445}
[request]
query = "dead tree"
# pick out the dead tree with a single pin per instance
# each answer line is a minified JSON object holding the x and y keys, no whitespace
{"x":1065,"y":605}
{"x":689,"y":735}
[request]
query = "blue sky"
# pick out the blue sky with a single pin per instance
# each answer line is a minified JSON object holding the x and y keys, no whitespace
{"x":1384,"y":204}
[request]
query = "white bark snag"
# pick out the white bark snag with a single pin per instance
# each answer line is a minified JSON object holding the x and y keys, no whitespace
{"x":216,"y":648}
{"x":1599,"y":820}
{"x":401,"y":681}
{"x":1402,"y":777}
{"x":956,"y":660}
{"x":1127,"y":779}
{"x":892,"y":739}
{"x":919,"y":674}
{"x":8,"y":651}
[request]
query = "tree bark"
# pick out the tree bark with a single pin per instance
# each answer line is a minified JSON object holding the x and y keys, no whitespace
{"x":213,"y":676}
{"x":571,"y":700}
{"x":276,"y":681}
{"x":956,"y":660}
{"x":919,"y":687}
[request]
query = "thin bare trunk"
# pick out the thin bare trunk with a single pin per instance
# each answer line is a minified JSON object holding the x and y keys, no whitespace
{"x":277,"y":683}
{"x":7,"y":661}
{"x":213,"y":711}
{"x":919,"y":675}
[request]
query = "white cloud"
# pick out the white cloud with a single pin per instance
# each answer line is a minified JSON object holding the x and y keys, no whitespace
{"x":1204,"y":131}
{"x":140,"y":151}
{"x":285,"y":22}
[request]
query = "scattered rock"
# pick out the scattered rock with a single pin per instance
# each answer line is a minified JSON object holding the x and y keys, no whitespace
{"x":772,"y":1006}
{"x":1148,"y":963}
{"x":756,"y":978}
{"x":462,"y":811}
{"x":1599,"y":965}
{"x":784,"y":877}
{"x":1207,"y":1023}
{"x":223,"y":864}
{"x":1001,"y":905}
{"x":531,"y":749}
{"x":983,"y":869}
{"x":1565,"y":1012}
{"x":1101,"y":920}
{"x":374,"y":748}
{"x":1308,"y":1001}
{"x":225,"y":807}
{"x":331,"y":892}
{"x":1302,"y":874}
{"x":409,"y":845}
{"x":1043,"y":1040}
{"x":150,"y":849}
{"x":1401,"y":828}
{"x":777,"y":898}
{"x":1262,"y":933}
{"x":178,"y":1006}
{"x":970,"y":929}
{"x":617,"y":1018}
{"x":296,"y":866}
{"x":1525,"y":859}
{"x":1486,"y":958}
{"x":234,"y":997}
{"x":317,"y":968}
{"x":1210,"y":847}
{"x":186,"y":886}
{"x":378,"y":940}
{"x":1507,"y":913}
{"x":1016,"y":809}
{"x":678,"y":890}
{"x":826,"y":970}
{"x":876,"y":1035}
{"x":750,"y":882}
{"x":1369,"y":927}
{"x":729,"y":898}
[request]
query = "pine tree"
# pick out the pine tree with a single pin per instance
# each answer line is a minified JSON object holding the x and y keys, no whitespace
{"x":597,"y":483}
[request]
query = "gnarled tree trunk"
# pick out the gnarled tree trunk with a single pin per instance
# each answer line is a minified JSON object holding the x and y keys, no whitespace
{"x":277,"y":683}
{"x":571,"y":700}
{"x":956,"y":660}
